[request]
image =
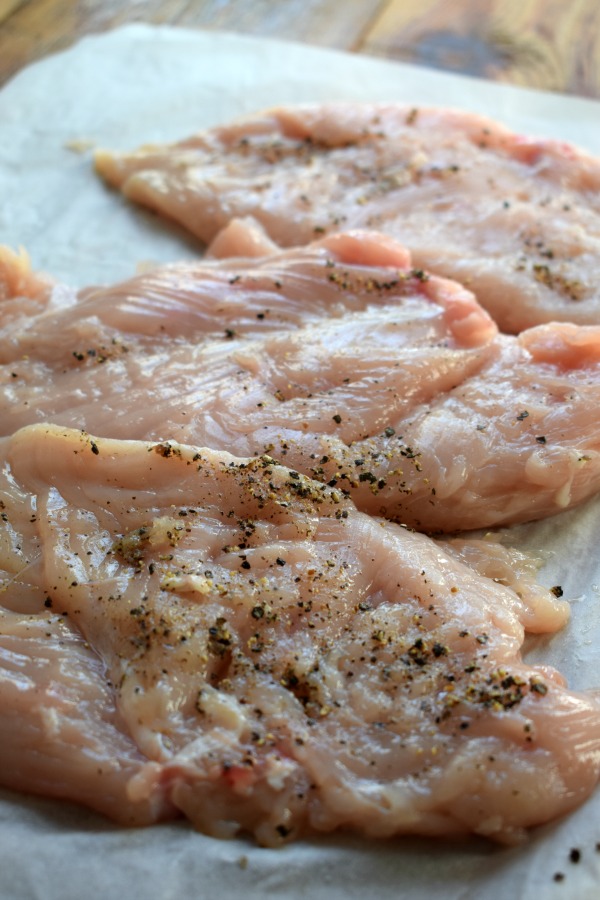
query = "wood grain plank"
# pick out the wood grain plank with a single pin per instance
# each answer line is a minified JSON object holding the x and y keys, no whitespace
{"x":7,"y":7}
{"x":549,"y":44}
{"x":43,"y":26}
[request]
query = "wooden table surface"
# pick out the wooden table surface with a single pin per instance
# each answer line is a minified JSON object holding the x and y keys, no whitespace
{"x":549,"y":44}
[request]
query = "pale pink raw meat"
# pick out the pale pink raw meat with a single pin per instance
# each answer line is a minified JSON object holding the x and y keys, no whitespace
{"x":340,"y":361}
{"x":183,"y":630}
{"x":514,"y":569}
{"x":515,"y":219}
{"x":23,"y":293}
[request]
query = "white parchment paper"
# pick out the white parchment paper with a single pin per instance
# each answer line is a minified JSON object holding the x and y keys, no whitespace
{"x":143,"y":84}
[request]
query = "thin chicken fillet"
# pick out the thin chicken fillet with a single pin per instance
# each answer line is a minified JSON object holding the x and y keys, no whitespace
{"x":515,"y":219}
{"x":337,"y":359}
{"x":253,"y":652}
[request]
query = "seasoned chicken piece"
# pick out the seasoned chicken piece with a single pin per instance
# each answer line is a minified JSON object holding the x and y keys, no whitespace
{"x":515,"y":219}
{"x":515,"y":569}
{"x":339,"y":360}
{"x":191,"y":631}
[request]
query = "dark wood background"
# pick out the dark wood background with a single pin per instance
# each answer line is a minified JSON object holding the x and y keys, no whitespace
{"x":549,"y":44}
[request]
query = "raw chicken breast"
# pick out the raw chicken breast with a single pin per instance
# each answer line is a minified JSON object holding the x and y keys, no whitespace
{"x":517,"y":441}
{"x":515,"y":219}
{"x":226,"y":638}
{"x":515,"y":569}
{"x":23,"y":293}
{"x":62,"y":735}
{"x":337,"y":359}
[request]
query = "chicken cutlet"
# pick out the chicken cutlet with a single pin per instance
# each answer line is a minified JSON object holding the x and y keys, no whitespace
{"x":184,"y":631}
{"x":339,"y":360}
{"x":515,"y":219}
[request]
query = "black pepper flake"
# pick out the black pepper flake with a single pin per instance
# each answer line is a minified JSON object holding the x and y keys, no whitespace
{"x":522,"y":415}
{"x":337,"y":418}
{"x":94,"y":448}
{"x":283,"y":830}
{"x":557,"y":590}
{"x":246,"y":564}
{"x":574,"y":855}
{"x":219,"y":637}
{"x":280,"y":562}
{"x":559,"y":876}
{"x":389,"y":431}
{"x":541,"y":439}
{"x":48,"y":603}
{"x":538,"y":687}
{"x":166,"y":450}
{"x":367,"y":476}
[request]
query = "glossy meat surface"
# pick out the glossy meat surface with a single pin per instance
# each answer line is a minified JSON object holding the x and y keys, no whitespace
{"x":339,"y":360}
{"x":515,"y":219}
{"x":184,"y":631}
